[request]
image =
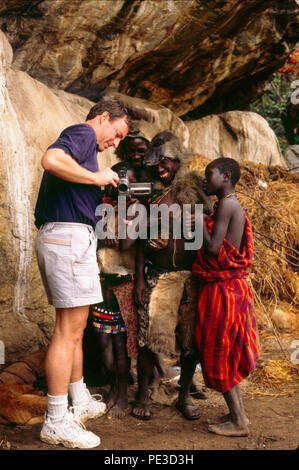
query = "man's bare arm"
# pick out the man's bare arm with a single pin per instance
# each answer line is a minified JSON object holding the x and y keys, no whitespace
{"x":62,"y":165}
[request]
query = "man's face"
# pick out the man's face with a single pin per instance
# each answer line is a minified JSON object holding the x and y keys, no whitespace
{"x":167,"y":169}
{"x":135,"y":151}
{"x":110,"y":133}
{"x":213,"y":180}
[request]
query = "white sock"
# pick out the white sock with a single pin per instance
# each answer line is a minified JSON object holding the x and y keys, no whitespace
{"x":77,"y":391}
{"x":57,"y":407}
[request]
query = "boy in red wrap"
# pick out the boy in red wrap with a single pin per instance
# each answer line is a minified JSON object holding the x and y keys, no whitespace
{"x":226,"y":331}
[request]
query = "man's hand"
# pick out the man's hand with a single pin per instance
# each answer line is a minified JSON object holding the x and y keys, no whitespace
{"x":105,"y":177}
{"x":109,"y":243}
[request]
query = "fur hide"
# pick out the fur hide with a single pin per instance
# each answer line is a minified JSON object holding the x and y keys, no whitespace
{"x":188,"y":189}
{"x":166,"y":313}
{"x":21,"y":404}
{"x":112,"y":260}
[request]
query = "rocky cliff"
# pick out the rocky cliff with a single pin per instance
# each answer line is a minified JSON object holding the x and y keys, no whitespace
{"x":192,"y":56}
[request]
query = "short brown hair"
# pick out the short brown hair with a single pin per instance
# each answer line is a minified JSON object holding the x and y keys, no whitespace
{"x":114,"y":107}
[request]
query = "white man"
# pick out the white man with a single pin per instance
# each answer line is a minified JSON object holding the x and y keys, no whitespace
{"x":66,"y":246}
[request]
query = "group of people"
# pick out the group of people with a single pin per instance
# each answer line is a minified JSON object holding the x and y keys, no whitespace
{"x":164,"y":299}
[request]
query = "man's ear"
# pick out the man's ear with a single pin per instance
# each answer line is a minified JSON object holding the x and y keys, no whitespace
{"x":105,"y":116}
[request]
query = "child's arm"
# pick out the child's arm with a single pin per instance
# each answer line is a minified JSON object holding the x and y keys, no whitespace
{"x":127,"y":243}
{"x":140,"y":283}
{"x":212,"y":242}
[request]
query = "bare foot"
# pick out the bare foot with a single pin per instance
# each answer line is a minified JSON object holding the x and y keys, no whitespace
{"x":188,"y":410}
{"x":229,"y":429}
{"x":111,"y":399}
{"x":224,"y":419}
{"x":196,"y":392}
{"x":119,"y":411}
{"x":141,"y":410}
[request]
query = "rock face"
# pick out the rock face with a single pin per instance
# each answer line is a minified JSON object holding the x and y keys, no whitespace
{"x":191,"y":56}
{"x":244,"y":136}
{"x":284,"y":320}
{"x":32,"y":116}
{"x":291,"y":155}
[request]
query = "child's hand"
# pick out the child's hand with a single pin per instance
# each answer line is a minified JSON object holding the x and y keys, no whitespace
{"x":109,"y":243}
{"x":130,"y":201}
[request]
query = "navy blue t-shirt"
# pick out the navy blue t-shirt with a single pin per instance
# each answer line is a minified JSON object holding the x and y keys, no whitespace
{"x":62,"y":201}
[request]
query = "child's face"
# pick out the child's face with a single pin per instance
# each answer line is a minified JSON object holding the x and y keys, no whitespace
{"x":135,"y":151}
{"x":214,"y":180}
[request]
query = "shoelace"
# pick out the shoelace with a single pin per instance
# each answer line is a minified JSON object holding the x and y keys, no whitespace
{"x":74,"y":420}
{"x":93,"y":397}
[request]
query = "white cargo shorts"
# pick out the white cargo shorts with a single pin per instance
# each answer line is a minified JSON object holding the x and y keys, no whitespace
{"x":66,"y":256}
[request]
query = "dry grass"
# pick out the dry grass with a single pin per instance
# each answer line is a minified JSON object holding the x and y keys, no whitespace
{"x":274,"y":377}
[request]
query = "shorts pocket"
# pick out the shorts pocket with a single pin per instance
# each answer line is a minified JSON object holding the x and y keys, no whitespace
{"x":57,"y":241}
{"x":86,"y":279}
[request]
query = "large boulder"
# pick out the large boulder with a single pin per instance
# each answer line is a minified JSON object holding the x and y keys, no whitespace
{"x":291,"y":155}
{"x":31,"y":117}
{"x":244,"y":136}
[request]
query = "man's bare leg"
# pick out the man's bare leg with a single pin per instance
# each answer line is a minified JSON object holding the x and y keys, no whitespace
{"x":236,"y":425}
{"x":145,"y":366}
{"x":64,"y":358}
{"x":185,"y":404}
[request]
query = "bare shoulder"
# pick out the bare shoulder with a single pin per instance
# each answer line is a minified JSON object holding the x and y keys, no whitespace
{"x":230,"y":204}
{"x":231,"y":210}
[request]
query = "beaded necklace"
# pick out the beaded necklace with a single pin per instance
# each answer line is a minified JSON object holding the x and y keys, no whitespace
{"x":156,"y":198}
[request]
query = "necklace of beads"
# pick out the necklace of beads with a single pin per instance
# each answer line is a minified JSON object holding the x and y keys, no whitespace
{"x":158,"y":197}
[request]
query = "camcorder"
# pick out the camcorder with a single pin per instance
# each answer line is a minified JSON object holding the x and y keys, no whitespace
{"x":135,"y":190}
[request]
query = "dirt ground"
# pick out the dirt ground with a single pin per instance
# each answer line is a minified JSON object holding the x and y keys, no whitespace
{"x":274,"y":422}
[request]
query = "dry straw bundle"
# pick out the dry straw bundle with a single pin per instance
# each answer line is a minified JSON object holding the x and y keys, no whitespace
{"x":274,"y":377}
{"x":270,"y":197}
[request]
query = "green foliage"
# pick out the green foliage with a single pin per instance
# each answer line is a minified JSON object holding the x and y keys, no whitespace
{"x":273,"y":103}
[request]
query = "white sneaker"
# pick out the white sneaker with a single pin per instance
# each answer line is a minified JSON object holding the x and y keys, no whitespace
{"x":91,"y":409}
{"x":69,"y":433}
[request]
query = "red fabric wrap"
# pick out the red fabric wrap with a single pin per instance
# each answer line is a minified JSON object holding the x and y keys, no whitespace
{"x":226,"y":331}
